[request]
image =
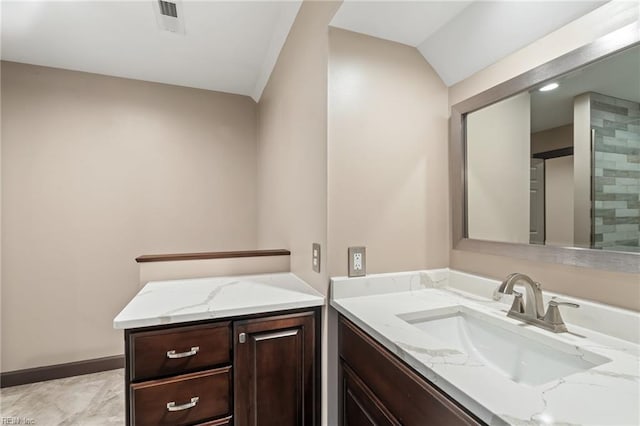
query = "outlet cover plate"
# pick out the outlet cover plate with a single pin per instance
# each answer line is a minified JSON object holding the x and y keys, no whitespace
{"x":315,"y":257}
{"x":357,"y":261}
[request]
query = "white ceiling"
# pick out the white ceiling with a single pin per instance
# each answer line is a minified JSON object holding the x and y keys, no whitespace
{"x":555,"y":108}
{"x":228,"y":46}
{"x":459,"y":38}
{"x":406,"y":22}
{"x":232,"y":46}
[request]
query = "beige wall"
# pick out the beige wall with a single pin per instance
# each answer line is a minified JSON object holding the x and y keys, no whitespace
{"x":615,"y":288}
{"x":551,"y":139}
{"x":387,"y":183}
{"x":292,"y":159}
{"x":558,"y":202}
{"x":292,"y":145}
{"x":498,"y":171}
{"x":202,"y":268}
{"x":582,"y":170}
{"x":387,"y":141}
{"x":1,"y":299}
{"x":96,"y":171}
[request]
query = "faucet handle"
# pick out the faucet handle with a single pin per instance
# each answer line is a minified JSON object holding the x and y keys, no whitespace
{"x":553,"y":317}
{"x":555,"y":303}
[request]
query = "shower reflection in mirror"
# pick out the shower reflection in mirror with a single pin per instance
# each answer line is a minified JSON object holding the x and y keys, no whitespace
{"x":560,"y":164}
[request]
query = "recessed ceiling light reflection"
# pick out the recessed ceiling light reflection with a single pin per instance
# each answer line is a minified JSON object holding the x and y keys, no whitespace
{"x":549,"y":87}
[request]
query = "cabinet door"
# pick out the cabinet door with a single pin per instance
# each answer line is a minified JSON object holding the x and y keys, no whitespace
{"x":406,"y":395}
{"x":275,"y":371}
{"x":360,"y":407}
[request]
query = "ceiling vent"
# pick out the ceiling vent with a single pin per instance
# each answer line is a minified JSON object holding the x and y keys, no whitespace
{"x":168,"y":9}
{"x":169,"y":15}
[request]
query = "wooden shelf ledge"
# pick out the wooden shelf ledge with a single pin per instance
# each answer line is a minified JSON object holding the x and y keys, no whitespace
{"x":210,"y":255}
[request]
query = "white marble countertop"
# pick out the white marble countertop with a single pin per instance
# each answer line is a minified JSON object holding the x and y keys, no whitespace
{"x":169,"y":302}
{"x":608,"y":394}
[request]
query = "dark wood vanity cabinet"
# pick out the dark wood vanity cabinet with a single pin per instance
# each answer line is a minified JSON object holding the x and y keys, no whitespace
{"x":359,"y":405}
{"x":274,"y":362}
{"x":257,"y":370}
{"x":376,"y":388}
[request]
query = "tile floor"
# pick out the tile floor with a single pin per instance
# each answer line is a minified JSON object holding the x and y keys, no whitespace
{"x":89,"y":400}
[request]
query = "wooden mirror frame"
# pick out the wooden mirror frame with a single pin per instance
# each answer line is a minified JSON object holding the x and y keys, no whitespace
{"x":603,"y":47}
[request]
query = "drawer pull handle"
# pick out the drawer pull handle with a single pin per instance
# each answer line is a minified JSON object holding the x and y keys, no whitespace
{"x":173,"y":355}
{"x":171,"y":406}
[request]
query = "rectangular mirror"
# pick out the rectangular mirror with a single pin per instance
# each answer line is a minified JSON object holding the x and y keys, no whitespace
{"x":546,"y":166}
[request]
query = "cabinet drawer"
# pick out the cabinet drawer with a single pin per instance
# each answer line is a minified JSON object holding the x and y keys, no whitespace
{"x":179,"y":350}
{"x":408,"y":397}
{"x":182,"y":400}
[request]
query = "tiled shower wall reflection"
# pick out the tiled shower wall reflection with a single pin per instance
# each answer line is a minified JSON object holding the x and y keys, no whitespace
{"x":617,"y":173}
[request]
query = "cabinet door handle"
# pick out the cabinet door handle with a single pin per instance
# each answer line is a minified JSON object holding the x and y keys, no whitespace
{"x":278,"y":334}
{"x":173,"y":355}
{"x":242,"y":337}
{"x":171,"y":406}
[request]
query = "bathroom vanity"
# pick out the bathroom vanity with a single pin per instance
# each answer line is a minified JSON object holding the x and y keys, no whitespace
{"x":378,"y":389}
{"x":219,"y":351}
{"x":434,"y":347}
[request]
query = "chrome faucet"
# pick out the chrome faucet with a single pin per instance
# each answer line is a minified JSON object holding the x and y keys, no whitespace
{"x":531,"y":310}
{"x":533,"y":307}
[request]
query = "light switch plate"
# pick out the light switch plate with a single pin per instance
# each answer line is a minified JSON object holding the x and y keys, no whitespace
{"x":357,"y":261}
{"x":315,"y":257}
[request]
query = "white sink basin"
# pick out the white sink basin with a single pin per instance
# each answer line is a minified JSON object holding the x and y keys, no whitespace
{"x":514,"y":351}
